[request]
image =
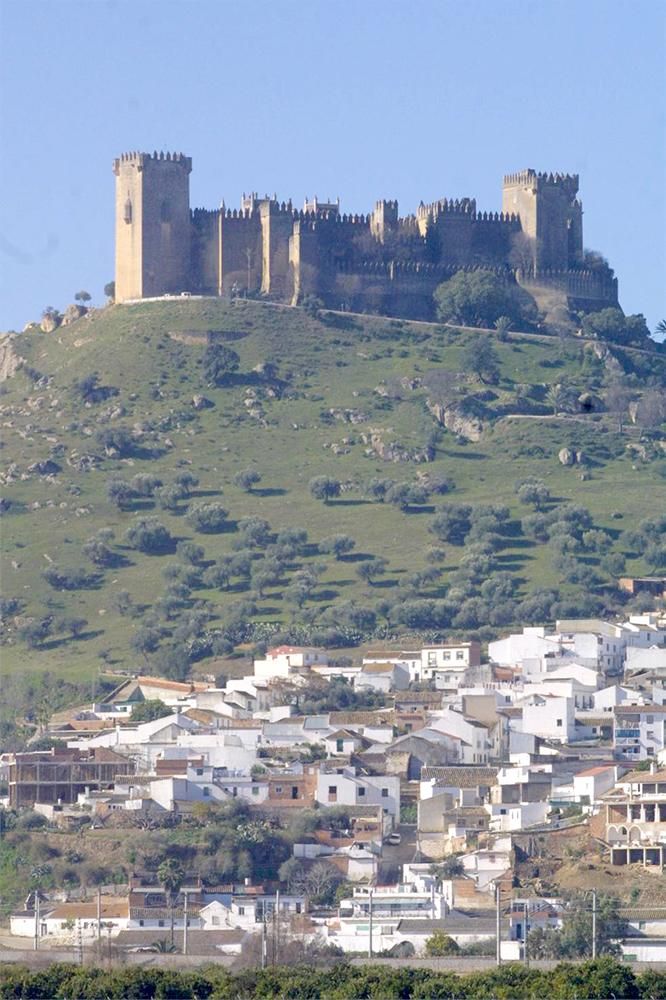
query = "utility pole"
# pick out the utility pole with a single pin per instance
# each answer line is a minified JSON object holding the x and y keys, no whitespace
{"x":498,"y":924}
{"x":36,"y":946}
{"x":185,"y":918}
{"x":276,"y":924}
{"x":99,"y":920}
{"x":594,"y":923}
{"x":264,"y":942}
{"x":370,"y":928}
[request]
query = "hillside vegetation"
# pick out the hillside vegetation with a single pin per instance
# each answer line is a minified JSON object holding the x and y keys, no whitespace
{"x":158,"y":503}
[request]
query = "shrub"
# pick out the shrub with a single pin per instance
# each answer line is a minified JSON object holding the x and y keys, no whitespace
{"x":149,"y":535}
{"x":207,"y":517}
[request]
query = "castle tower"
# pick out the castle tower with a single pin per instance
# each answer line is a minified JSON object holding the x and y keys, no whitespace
{"x":384,"y":219}
{"x":550,"y":214}
{"x":153,"y":230}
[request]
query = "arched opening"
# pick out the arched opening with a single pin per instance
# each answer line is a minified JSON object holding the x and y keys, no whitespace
{"x":128,"y":211}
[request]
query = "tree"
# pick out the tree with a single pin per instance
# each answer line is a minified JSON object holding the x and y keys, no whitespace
{"x":440,"y":944}
{"x":207,"y":517}
{"x":218,"y":362}
{"x":145,"y":640}
{"x":369,"y":570}
{"x":479,"y":358}
{"x":503,"y":325}
{"x":560,"y":397}
{"x":110,"y":290}
{"x":186,"y":482}
{"x":120,"y":493}
{"x":452,"y":523}
{"x":337,"y":545}
{"x":171,"y":875}
{"x":98,"y":550}
{"x":476,"y":298}
{"x":34,"y":633}
{"x":247,"y":479}
{"x":148,"y":535}
{"x":617,"y":402}
{"x":324,"y":488}
{"x":611,"y":324}
{"x":82,"y":297}
{"x":534,"y":492}
{"x":149,"y":710}
{"x":405,"y":495}
{"x":651,"y":409}
{"x":86,"y":387}
{"x":574,"y":940}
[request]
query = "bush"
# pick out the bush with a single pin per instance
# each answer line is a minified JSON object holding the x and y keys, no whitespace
{"x":149,"y":535}
{"x":207,"y":517}
{"x":247,"y":479}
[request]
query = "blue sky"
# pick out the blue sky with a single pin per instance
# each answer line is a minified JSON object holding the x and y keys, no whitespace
{"x":417,"y":99}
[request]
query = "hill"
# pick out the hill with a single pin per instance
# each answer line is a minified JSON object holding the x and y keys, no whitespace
{"x":137,"y":394}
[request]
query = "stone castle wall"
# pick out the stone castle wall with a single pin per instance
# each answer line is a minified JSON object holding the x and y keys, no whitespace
{"x":377,"y":262}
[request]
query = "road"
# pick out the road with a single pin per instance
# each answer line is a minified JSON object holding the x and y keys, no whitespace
{"x":394,"y":856}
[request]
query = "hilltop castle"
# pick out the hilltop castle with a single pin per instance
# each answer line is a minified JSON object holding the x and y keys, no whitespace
{"x":380,"y":262}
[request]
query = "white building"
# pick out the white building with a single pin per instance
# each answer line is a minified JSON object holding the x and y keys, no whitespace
{"x":344,"y":787}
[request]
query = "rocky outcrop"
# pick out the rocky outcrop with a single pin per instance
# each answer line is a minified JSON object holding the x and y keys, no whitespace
{"x":50,"y":321}
{"x":466,"y":418}
{"x":72,"y":313}
{"x":10,"y":361}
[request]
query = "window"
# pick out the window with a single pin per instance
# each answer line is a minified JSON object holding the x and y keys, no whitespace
{"x":298,"y":907}
{"x":559,"y":723}
{"x":160,"y":923}
{"x":206,"y":790}
{"x":460,"y":654}
{"x":215,"y":921}
{"x":432,"y":659}
{"x":384,"y":793}
{"x":128,"y":212}
{"x":332,"y":793}
{"x":649,"y":719}
{"x":200,"y":771}
{"x":339,"y":746}
{"x":361,"y":793}
{"x":141,"y":923}
{"x":446,"y":655}
{"x":278,"y":789}
{"x":294,"y":791}
{"x":255,"y":790}
{"x":241,"y":911}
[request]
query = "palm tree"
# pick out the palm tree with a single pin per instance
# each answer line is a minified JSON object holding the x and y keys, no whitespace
{"x":171,"y":875}
{"x":163,"y":946}
{"x":558,"y":397}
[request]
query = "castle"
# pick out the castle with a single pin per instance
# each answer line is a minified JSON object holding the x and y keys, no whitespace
{"x":380,"y":262}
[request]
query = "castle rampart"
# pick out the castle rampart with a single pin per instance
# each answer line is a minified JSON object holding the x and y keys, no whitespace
{"x":379,"y":261}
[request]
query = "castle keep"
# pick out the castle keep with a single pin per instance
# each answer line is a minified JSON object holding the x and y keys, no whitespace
{"x":380,"y":262}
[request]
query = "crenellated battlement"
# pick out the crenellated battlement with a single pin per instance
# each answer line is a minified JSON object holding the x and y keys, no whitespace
{"x":448,"y":206}
{"x":271,"y":247}
{"x":140,"y":160}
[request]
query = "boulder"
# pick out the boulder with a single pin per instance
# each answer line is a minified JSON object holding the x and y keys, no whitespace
{"x":566,"y":456}
{"x":72,"y":313}
{"x":201,"y":402}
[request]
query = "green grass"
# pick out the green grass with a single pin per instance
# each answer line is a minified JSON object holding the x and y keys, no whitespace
{"x":332,"y":364}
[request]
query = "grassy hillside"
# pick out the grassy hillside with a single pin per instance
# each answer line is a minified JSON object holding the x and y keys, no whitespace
{"x":311,"y":397}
